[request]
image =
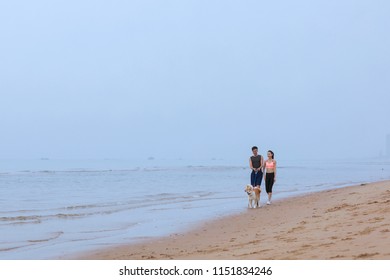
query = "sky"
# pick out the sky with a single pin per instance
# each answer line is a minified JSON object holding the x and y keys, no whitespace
{"x":194,"y":79}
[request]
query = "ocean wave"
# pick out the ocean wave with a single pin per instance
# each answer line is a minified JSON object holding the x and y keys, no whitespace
{"x":135,"y":169}
{"x":111,"y":229}
{"x":20,"y":218}
{"x":87,"y":210}
{"x":52,"y":236}
{"x":6,"y":249}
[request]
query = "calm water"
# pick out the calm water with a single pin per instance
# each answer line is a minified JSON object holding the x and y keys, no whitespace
{"x":53,"y":209}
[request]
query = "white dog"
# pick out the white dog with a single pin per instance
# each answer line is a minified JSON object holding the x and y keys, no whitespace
{"x":253,"y":196}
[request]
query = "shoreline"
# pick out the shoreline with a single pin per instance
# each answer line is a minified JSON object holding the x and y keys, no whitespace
{"x":345,"y":223}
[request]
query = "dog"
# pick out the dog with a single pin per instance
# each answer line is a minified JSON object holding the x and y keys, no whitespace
{"x":253,"y":196}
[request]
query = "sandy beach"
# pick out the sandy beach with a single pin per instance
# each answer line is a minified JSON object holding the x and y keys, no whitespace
{"x":347,"y":223}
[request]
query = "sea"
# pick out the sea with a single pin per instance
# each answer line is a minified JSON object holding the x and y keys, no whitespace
{"x":57,"y":209}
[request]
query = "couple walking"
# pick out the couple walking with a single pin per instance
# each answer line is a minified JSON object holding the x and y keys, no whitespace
{"x":257,"y":165}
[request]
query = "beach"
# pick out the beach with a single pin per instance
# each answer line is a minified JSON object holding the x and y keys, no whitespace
{"x":347,"y":223}
{"x":58,"y":208}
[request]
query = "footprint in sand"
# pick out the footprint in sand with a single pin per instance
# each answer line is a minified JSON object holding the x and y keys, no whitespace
{"x":367,"y":230}
{"x":347,"y":239}
{"x":296,"y":229}
{"x":326,"y":244}
{"x":376,"y":220}
{"x":366,"y":255}
{"x":337,"y":257}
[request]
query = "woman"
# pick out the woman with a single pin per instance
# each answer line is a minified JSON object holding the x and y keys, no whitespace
{"x":270,"y":174}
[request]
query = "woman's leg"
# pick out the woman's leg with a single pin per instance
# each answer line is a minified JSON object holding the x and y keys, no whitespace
{"x":269,"y":184}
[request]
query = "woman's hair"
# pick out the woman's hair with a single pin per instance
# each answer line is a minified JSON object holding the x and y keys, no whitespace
{"x":269,"y":151}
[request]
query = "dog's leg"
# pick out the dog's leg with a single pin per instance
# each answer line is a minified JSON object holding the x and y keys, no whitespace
{"x":258,"y":199}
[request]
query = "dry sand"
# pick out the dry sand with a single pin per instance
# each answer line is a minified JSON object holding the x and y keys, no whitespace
{"x":348,"y":223}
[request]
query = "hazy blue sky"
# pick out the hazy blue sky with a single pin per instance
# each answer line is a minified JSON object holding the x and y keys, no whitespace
{"x":194,"y":79}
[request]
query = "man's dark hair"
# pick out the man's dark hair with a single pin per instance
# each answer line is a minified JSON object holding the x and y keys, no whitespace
{"x":254,"y":148}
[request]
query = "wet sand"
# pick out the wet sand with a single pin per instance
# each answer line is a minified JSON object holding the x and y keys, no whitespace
{"x":347,"y":223}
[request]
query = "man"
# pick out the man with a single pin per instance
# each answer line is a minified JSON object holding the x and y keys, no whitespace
{"x":256,"y":164}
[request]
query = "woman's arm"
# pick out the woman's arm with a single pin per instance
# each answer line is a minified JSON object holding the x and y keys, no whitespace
{"x":275,"y":170}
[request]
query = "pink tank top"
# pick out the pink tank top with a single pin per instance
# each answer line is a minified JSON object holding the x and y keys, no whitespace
{"x":269,"y":165}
